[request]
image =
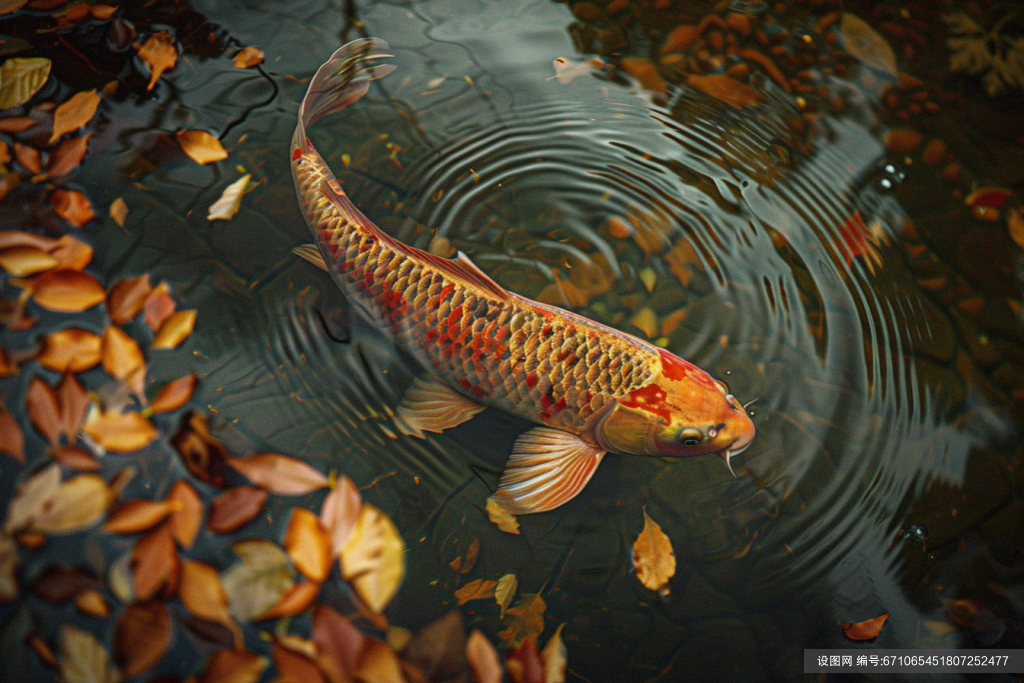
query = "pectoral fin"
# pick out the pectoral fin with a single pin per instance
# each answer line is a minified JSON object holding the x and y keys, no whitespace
{"x":547,"y":468}
{"x":310,"y":252}
{"x":429,"y":406}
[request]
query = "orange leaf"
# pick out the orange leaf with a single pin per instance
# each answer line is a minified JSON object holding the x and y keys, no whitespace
{"x":203,"y":595}
{"x":234,"y":508}
{"x":476,"y":590}
{"x":160,"y":53}
{"x":12,"y":441}
{"x":44,"y":410}
{"x":72,"y":206}
{"x":185,"y":520}
{"x":526,"y":619}
{"x":119,"y":211}
{"x":308,"y":545}
{"x":293,"y":666}
{"x":74,"y":113}
{"x":379,"y":663}
{"x":122,"y":357}
{"x":67,"y":291}
{"x":295,"y":600}
{"x":73,"y":405}
{"x":141,"y":637}
{"x":280,"y":474}
{"x":653,"y":557}
{"x":155,"y":562}
{"x":483,"y":659}
{"x":7,"y":368}
{"x":16,"y":124}
{"x":121,"y":432}
{"x":201,"y":146}
{"x":26,"y":261}
{"x":644,"y":71}
{"x":728,"y":90}
{"x":248,"y":56}
{"x":137,"y":515}
{"x":71,"y":253}
{"x":93,"y":604}
{"x":865,"y":630}
{"x":340,"y":512}
{"x":17,"y":238}
{"x":127,"y":297}
{"x":67,"y":155}
{"x":174,"y":330}
{"x":75,"y":458}
{"x":159,"y":306}
{"x":70,"y":350}
{"x":102,"y":11}
{"x":338,"y":642}
{"x":233,"y":666}
{"x":523,"y":664}
{"x":174,"y":395}
{"x":29,"y":157}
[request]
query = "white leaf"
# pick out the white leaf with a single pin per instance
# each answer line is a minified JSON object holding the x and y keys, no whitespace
{"x":230,"y":200}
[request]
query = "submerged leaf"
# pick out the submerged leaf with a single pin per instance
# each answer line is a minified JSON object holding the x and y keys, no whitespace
{"x":483,"y":659}
{"x":74,"y":113}
{"x":865,"y":630}
{"x":202,"y":147}
{"x":141,"y":637}
{"x":160,"y":53}
{"x":653,"y":557}
{"x":72,"y":206}
{"x":21,"y":78}
{"x":479,"y":589}
{"x":525,"y":620}
{"x":864,"y":43}
{"x":259,"y":581}
{"x":280,"y":474}
{"x":67,"y":155}
{"x":230,"y":200}
{"x":373,"y":560}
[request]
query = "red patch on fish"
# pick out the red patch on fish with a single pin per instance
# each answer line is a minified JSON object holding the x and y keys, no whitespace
{"x":674,"y":367}
{"x":296,"y":153}
{"x":651,"y":399}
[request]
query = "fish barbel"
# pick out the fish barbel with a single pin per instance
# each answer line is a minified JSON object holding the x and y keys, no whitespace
{"x":592,"y":389}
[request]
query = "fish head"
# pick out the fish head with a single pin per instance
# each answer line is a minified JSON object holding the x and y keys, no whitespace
{"x":681,"y":411}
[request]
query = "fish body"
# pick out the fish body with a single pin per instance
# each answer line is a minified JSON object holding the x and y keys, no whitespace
{"x":591,"y":388}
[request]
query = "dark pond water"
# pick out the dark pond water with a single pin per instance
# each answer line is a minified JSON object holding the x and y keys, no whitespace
{"x":819,"y":244}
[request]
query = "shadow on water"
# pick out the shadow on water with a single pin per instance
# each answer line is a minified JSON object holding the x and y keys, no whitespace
{"x":799,"y":263}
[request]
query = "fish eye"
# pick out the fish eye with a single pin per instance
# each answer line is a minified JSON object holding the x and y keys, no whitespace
{"x":691,"y":436}
{"x":723,"y":387}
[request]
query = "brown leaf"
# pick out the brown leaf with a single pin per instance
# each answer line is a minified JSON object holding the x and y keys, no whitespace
{"x":71,"y":253}
{"x":248,"y":56}
{"x":16,"y":124}
{"x":653,"y":557}
{"x":866,"y":44}
{"x":127,"y":297}
{"x":233,"y":666}
{"x":12,"y":441}
{"x":523,"y":664}
{"x":338,"y":642}
{"x":60,"y":582}
{"x":297,"y":599}
{"x":93,"y":604}
{"x":67,"y":291}
{"x":118,"y":211}
{"x":204,"y":456}
{"x":188,"y":514}
{"x":235,"y":507}
{"x":203,"y":595}
{"x":379,"y":663}
{"x":340,"y":512}
{"x":201,"y":146}
{"x":121,"y":432}
{"x":26,"y":261}
{"x":159,"y":306}
{"x":72,"y":206}
{"x":294,"y":666}
{"x":141,"y":637}
{"x":137,"y":515}
{"x":160,"y":53}
{"x":21,"y":78}
{"x":308,"y":545}
{"x":73,"y":405}
{"x":174,"y":330}
{"x":74,"y":113}
{"x":526,"y":619}
{"x":83,"y":658}
{"x":479,"y":589}
{"x":483,"y":659}
{"x":555,"y":658}
{"x":67,"y":155}
{"x":438,"y":649}
{"x":472,"y":554}
{"x":70,"y":350}
{"x":1015,"y":224}
{"x":645,"y":72}
{"x":373,"y":560}
{"x":865,"y":630}
{"x":280,"y":474}
{"x":8,"y":568}
{"x":29,"y":157}
{"x":75,"y":458}
{"x":7,"y":368}
{"x":174,"y":395}
{"x":155,"y":563}
{"x":727,"y":89}
{"x":44,"y":410}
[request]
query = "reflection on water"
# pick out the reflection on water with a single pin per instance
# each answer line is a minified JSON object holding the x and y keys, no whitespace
{"x":804,"y":230}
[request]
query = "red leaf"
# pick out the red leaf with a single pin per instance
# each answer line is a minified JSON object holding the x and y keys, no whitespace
{"x":235,"y":507}
{"x":44,"y":410}
{"x":12,"y":441}
{"x":67,"y":155}
{"x":174,"y":395}
{"x":524,"y":664}
{"x":338,"y":642}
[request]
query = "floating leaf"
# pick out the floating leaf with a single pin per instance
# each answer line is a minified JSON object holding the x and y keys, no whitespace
{"x":188,"y":515}
{"x":338,"y":643}
{"x":479,"y":589}
{"x":8,"y":6}
{"x":234,"y":508}
{"x":864,"y":43}
{"x":67,"y":155}
{"x":523,"y":664}
{"x":74,"y":113}
{"x":121,"y":355}
{"x":308,"y":545}
{"x":230,"y":200}
{"x":93,"y":604}
{"x":203,"y":595}
{"x":204,"y":456}
{"x":141,"y":637}
{"x":202,"y":147}
{"x":127,"y":297}
{"x":8,"y":567}
{"x":373,"y":560}
{"x":71,"y":253}
{"x":44,"y":410}
{"x":174,"y":395}
{"x":21,"y":78}
{"x":259,"y":581}
{"x":121,"y":432}
{"x":248,"y":56}
{"x":31,"y":498}
{"x":159,"y":306}
{"x":483,"y":659}
{"x":118,"y":211}
{"x":138,"y":515}
{"x":472,"y":554}
{"x":294,"y":601}
{"x":174,"y":330}
{"x":80,"y":503}
{"x":75,"y":458}
{"x":233,"y":666}
{"x":340,"y":512}
{"x":526,"y":619}
{"x":295,"y":666}
{"x":12,"y":441}
{"x":73,"y":405}
{"x":83,"y":658}
{"x":505,"y":591}
{"x":504,"y":519}
{"x":26,"y":261}
{"x":653,"y":557}
{"x":159,"y":53}
{"x":379,"y":663}
{"x":727,"y":89}
{"x":555,"y":658}
{"x":16,"y":124}
{"x":280,"y":474}
{"x":29,"y":158}
{"x":72,"y":206}
{"x":865,"y":630}
{"x":60,"y":582}
{"x":155,"y":562}
{"x":67,"y":291}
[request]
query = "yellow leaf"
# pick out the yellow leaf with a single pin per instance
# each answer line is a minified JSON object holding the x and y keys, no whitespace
{"x":79,"y":504}
{"x":74,"y":113}
{"x":259,"y":581}
{"x":373,"y":560}
{"x":646,"y":321}
{"x":505,"y":591}
{"x":21,"y":78}
{"x":26,"y":261}
{"x":83,"y":658}
{"x":504,"y":519}
{"x":159,"y":53}
{"x":248,"y":56}
{"x":308,"y":545}
{"x":653,"y":557}
{"x":479,"y":589}
{"x":230,"y":200}
{"x":525,"y":619}
{"x":119,"y":211}
{"x":201,"y":146}
{"x":555,"y":658}
{"x":121,"y":432}
{"x":174,"y":330}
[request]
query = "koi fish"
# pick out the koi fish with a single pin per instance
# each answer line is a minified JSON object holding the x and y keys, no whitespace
{"x":590,"y":388}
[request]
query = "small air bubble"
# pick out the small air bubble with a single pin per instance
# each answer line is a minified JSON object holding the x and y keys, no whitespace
{"x":886,"y":183}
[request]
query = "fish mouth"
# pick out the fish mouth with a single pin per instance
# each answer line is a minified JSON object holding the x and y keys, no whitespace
{"x":729,"y":452}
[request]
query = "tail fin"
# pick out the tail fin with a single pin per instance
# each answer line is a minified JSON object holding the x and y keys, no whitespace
{"x":343,"y":79}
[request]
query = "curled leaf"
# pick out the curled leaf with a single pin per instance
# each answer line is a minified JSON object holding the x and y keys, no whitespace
{"x":200,"y":146}
{"x":21,"y":78}
{"x":280,"y":474}
{"x":67,"y":291}
{"x":504,"y":519}
{"x":74,"y":113}
{"x":554,"y":657}
{"x":653,"y":557}
{"x":865,"y":630}
{"x":174,"y":330}
{"x":230,"y":200}
{"x":727,"y":89}
{"x":479,"y":589}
